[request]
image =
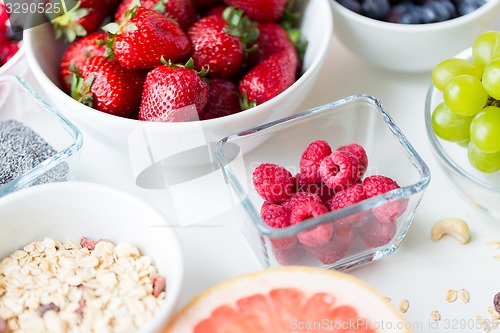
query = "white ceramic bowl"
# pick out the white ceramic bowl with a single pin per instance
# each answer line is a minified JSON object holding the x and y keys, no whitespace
{"x":411,"y":48}
{"x":70,"y":210}
{"x":43,"y":54}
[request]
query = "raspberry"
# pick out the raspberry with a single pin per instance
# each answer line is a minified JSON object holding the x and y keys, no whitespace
{"x":311,"y":159}
{"x":277,"y":216}
{"x":349,"y":196}
{"x":335,"y":249}
{"x":299,"y":198}
{"x":273,"y":182}
{"x":377,"y":185}
{"x":314,"y":236}
{"x":376,"y":233}
{"x":339,"y":170}
{"x":359,"y":152}
{"x":290,"y":256}
{"x":325,"y":193}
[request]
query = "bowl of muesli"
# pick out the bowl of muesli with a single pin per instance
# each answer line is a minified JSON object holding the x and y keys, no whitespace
{"x":83,"y":257}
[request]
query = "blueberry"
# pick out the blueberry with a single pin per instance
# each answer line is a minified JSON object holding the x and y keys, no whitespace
{"x":376,"y":9}
{"x":464,"y":7}
{"x":411,"y":17}
{"x":14,"y":32}
{"x":440,"y":12}
{"x":353,"y":5}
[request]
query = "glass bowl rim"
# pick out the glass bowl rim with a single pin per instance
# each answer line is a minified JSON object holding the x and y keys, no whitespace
{"x":55,"y":159}
{"x":435,"y":141}
{"x":396,"y":194}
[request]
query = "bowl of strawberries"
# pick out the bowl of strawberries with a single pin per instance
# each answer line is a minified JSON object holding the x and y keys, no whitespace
{"x":190,"y":69}
{"x":11,"y":51}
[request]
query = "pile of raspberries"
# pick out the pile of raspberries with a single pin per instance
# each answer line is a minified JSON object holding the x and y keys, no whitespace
{"x":328,"y":180}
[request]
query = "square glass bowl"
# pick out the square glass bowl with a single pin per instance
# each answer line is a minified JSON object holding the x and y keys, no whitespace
{"x":37,"y":144}
{"x":358,"y":235}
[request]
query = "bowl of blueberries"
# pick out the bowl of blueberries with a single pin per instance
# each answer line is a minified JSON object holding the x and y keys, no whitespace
{"x":411,"y":35}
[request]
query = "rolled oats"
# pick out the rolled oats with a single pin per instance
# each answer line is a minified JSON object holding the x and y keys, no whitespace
{"x":49,"y":286}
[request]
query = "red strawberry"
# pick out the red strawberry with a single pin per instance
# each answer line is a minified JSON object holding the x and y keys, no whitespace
{"x":219,"y":44}
{"x":260,"y":10}
{"x":76,"y":54}
{"x":4,"y":17}
{"x":217,"y":10}
{"x":8,"y":49}
{"x":202,"y":5}
{"x":105,"y":85}
{"x":173,"y":94}
{"x":141,"y":41}
{"x":272,"y":38}
{"x":222,"y":99}
{"x":81,"y":18}
{"x":182,"y":11}
{"x":270,"y":77}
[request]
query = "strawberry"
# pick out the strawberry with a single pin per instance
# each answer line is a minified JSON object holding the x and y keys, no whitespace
{"x":8,"y":49}
{"x":260,"y":10}
{"x":222,"y":99}
{"x":80,"y":19}
{"x":182,"y":11}
{"x":269,"y":78}
{"x":143,"y":39}
{"x":272,"y":38}
{"x":105,"y":85}
{"x":173,"y":93}
{"x":219,"y":42}
{"x":76,"y":54}
{"x":202,"y":5}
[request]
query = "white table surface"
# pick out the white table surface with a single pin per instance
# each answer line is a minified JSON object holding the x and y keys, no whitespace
{"x":422,"y":270}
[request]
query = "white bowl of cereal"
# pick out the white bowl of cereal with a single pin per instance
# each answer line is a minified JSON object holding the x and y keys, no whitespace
{"x":85,"y":257}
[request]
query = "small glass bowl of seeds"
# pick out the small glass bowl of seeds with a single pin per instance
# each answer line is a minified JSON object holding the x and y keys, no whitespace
{"x":37,"y":144}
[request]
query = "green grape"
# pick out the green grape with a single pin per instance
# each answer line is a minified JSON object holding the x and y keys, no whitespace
{"x":449,"y":126}
{"x":491,"y":78}
{"x":485,"y":49}
{"x":465,"y":95}
{"x":485,"y":129}
{"x":449,"y":68}
{"x":484,"y":162}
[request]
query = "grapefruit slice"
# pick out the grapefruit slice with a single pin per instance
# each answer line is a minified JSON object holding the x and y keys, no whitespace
{"x":289,"y":299}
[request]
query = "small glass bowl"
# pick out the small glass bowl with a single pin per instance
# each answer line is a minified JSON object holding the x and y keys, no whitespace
{"x":356,"y":119}
{"x":480,"y":189}
{"x":22,"y":106}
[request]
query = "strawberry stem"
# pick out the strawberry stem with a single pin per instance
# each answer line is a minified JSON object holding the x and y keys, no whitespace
{"x":245,"y":103}
{"x":67,"y":23}
{"x":81,"y":89}
{"x":240,"y":26}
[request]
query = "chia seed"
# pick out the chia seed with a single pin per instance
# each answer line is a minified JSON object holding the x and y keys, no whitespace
{"x":22,"y":149}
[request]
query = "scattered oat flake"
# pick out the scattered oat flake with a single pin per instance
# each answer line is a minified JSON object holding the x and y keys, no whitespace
{"x":387,"y":299}
{"x":493,"y":244}
{"x":464,"y":295}
{"x":435,"y":315}
{"x":451,"y":296}
{"x":497,"y":257}
{"x":404,"y":305}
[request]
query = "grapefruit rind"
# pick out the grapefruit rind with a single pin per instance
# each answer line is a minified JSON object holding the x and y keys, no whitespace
{"x":347,"y":290}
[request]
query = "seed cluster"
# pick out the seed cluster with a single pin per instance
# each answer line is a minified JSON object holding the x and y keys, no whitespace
{"x":21,"y":149}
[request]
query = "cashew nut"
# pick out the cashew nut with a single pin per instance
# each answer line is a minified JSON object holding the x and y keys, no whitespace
{"x":455,"y":227}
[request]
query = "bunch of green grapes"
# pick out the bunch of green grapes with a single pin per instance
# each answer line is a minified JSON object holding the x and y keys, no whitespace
{"x":470,"y":113}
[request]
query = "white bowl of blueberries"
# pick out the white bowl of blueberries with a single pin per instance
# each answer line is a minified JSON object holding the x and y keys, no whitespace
{"x":411,"y":35}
